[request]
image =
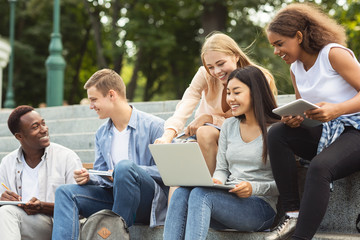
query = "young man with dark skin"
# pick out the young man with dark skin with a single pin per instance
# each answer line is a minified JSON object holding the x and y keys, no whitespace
{"x":31,"y":174}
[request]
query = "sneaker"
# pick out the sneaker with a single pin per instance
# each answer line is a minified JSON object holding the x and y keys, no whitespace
{"x":284,"y":229}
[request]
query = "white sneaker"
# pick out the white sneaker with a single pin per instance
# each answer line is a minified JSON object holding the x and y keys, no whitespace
{"x":284,"y":229}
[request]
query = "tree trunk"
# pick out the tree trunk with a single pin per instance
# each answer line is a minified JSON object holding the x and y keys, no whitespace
{"x":118,"y":52}
{"x":75,"y":81}
{"x":214,"y":16}
{"x":130,"y":90}
{"x":96,"y":25}
{"x":179,"y":88}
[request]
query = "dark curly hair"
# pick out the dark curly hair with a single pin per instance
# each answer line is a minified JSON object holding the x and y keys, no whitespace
{"x":317,"y":28}
{"x":14,"y":118}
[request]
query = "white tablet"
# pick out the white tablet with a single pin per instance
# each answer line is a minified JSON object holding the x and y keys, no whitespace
{"x":298,"y":107}
{"x":12,"y":202}
{"x":100,"y":173}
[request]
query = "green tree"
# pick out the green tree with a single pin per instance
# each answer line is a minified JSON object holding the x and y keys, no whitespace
{"x":155,"y":47}
{"x":350,"y":18}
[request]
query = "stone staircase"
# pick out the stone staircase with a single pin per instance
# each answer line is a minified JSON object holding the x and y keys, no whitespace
{"x":75,"y":126}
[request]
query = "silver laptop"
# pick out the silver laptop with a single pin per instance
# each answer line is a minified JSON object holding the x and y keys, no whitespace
{"x":182,"y":164}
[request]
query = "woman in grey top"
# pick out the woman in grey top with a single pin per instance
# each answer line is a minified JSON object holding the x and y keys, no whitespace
{"x":241,"y":161}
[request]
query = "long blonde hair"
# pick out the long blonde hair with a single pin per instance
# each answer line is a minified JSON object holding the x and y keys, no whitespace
{"x":220,"y":42}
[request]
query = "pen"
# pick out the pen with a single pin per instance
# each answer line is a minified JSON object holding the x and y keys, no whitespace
{"x":9,"y":189}
{"x":5,"y":186}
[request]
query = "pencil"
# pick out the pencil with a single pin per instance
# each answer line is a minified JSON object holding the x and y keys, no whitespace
{"x":5,"y":186}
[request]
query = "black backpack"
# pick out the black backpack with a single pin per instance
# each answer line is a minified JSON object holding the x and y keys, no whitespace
{"x":104,"y":224}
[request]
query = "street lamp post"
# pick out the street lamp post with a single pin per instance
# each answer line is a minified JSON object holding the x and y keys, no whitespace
{"x":55,"y":63}
{"x":9,"y":100}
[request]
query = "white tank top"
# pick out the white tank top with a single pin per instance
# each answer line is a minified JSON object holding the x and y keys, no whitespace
{"x":321,"y":83}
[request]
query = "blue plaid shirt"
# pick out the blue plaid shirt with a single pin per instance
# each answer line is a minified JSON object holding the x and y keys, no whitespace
{"x":333,"y":129}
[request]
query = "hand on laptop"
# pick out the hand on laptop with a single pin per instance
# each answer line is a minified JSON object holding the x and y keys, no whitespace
{"x":242,"y":190}
{"x":217,"y":181}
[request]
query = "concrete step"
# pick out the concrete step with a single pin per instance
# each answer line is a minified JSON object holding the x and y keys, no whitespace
{"x":86,"y":155}
{"x":4,"y":115}
{"x":8,"y":143}
{"x":282,"y":99}
{"x":140,"y":232}
{"x":83,"y":111}
{"x":344,"y":206}
{"x":74,"y":125}
{"x":336,"y":236}
{"x":74,"y":133}
{"x":84,"y":140}
{"x":71,"y":125}
{"x":73,"y":141}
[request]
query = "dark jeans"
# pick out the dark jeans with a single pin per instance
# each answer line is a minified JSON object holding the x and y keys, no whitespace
{"x":339,"y":160}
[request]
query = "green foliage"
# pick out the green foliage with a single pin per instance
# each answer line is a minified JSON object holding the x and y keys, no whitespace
{"x":350,"y":18}
{"x":165,"y":35}
{"x":157,"y":44}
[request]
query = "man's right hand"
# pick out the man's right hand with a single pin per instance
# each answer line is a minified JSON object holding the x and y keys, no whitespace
{"x":10,"y":196}
{"x":81,"y":176}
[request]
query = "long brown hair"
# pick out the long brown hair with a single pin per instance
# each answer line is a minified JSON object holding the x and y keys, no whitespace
{"x":262,"y":99}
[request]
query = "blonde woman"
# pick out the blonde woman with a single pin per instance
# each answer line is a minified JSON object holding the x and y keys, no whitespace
{"x":220,"y":56}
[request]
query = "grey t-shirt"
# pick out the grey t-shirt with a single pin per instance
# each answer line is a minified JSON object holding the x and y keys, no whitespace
{"x":239,"y":161}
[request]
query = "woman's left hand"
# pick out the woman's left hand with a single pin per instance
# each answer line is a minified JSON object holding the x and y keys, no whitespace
{"x":326,"y":112}
{"x":242,"y":190}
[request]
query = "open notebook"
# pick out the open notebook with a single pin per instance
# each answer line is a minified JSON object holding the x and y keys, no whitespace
{"x":182,"y":164}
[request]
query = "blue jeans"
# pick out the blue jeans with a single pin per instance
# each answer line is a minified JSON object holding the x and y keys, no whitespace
{"x":191,"y":211}
{"x":131,"y":197}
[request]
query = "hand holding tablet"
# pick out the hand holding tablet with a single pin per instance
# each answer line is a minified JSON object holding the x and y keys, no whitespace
{"x":298,"y":107}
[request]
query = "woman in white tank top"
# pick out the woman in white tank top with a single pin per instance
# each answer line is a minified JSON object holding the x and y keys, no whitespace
{"x":326,"y":73}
